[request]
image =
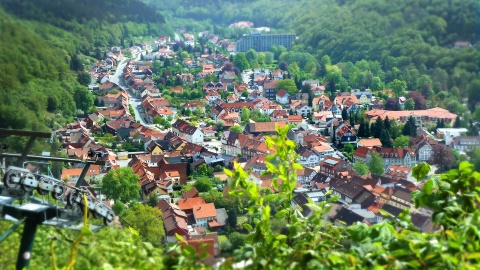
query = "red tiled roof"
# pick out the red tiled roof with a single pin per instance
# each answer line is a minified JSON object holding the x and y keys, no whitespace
{"x":190,"y":203}
{"x":281,"y":93}
{"x":265,"y":126}
{"x":370,"y":142}
{"x":205,"y":210}
{"x":361,"y":151}
{"x":294,"y":118}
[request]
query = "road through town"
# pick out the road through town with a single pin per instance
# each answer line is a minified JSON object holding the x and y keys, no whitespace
{"x":134,"y":101}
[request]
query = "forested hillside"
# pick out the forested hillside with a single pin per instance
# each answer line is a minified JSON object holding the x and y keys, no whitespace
{"x":44,"y":44}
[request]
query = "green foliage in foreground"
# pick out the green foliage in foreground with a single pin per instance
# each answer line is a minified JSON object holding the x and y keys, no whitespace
{"x":304,"y":243}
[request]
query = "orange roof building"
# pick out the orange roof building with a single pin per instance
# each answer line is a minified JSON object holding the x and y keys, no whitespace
{"x":370,"y":143}
{"x":204,"y":213}
{"x":188,"y":204}
{"x":422,"y":117}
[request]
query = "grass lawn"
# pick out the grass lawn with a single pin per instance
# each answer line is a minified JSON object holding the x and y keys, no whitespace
{"x":222,"y":238}
{"x":188,"y":187}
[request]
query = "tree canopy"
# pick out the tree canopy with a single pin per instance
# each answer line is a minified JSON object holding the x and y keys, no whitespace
{"x":147,"y":221}
{"x":402,"y":141}
{"x":121,"y":184}
{"x":287,"y":85}
{"x":377,"y":166}
{"x":203,"y":184}
{"x":361,"y":168}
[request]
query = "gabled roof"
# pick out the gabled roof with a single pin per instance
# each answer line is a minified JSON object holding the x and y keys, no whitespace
{"x":205,"y":210}
{"x":350,"y":189}
{"x":192,"y":193}
{"x":190,"y":203}
{"x":395,"y":211}
{"x":295,"y":118}
{"x":184,"y":127}
{"x":403,"y":194}
{"x":281,"y":93}
{"x":348,"y":216}
{"x":361,"y":151}
{"x":369,"y":143}
{"x":301,"y":200}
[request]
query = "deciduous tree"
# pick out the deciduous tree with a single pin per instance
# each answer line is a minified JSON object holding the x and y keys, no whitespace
{"x":121,"y":184}
{"x":402,"y":141}
{"x":361,"y":168}
{"x":245,"y":115}
{"x":240,"y":61}
{"x":203,"y":184}
{"x":398,"y":87}
{"x":147,"y":221}
{"x":287,"y":85}
{"x":377,"y":166}
{"x":442,"y":156}
{"x":83,"y":98}
{"x":236,"y":129}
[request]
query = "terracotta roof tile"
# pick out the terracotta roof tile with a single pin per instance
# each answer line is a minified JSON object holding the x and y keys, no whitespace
{"x":205,"y":210}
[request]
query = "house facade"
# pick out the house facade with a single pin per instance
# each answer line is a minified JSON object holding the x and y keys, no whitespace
{"x":466,"y":143}
{"x":282,"y":97}
{"x":191,"y":133}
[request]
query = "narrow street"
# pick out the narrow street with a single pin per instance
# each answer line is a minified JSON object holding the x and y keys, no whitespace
{"x":134,"y":101}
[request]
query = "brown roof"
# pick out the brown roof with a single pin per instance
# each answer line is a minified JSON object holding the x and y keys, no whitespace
{"x":194,"y":104}
{"x":192,"y":193}
{"x":272,"y":84}
{"x":395,"y":152}
{"x":210,"y":236}
{"x":184,"y":126}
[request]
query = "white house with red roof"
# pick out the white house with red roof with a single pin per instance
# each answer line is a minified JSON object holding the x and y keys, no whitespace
{"x":203,"y":213}
{"x":282,"y":97}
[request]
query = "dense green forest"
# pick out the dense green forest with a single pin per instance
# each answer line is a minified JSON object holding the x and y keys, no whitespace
{"x":45,"y":44}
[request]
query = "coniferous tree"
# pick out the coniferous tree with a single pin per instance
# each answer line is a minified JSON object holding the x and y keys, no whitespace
{"x":386,"y":124}
{"x":361,"y":130}
{"x":385,"y":138}
{"x":458,"y":122}
{"x":377,"y":128}
{"x":344,"y":114}
{"x":440,"y":123}
{"x":409,"y":129}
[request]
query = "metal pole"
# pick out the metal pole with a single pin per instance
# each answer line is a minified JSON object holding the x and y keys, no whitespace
{"x":82,"y":175}
{"x":26,"y":150}
{"x":26,"y":245}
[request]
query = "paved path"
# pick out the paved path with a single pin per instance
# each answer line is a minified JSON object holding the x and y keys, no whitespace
{"x":134,"y":101}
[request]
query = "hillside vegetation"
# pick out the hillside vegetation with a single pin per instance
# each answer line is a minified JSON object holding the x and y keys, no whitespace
{"x":45,"y":44}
